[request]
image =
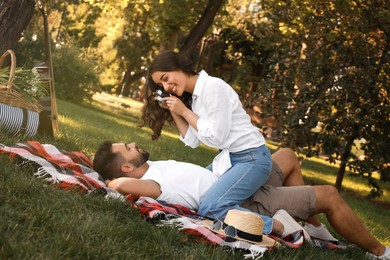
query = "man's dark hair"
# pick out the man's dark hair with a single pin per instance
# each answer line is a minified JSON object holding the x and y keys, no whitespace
{"x":107,"y":163}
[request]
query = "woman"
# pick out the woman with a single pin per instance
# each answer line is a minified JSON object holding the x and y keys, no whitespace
{"x":207,"y":110}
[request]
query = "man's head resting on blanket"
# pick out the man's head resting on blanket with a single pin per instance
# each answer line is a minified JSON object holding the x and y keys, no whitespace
{"x":114,"y":160}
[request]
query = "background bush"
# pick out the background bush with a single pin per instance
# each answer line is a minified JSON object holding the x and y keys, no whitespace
{"x":74,"y":74}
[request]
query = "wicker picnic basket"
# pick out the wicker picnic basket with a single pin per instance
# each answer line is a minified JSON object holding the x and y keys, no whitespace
{"x":11,"y":97}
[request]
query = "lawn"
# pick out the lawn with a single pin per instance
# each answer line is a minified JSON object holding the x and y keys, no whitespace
{"x":43,"y":222}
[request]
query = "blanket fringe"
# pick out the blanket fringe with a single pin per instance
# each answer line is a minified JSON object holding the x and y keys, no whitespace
{"x":41,"y":173}
{"x":255,"y":253}
{"x":22,"y":163}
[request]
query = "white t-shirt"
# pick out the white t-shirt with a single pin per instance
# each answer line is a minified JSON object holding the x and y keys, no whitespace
{"x":223,"y":123}
{"x":180,"y":183}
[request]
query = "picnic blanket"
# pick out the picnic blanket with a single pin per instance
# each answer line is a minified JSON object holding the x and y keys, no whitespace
{"x":73,"y":170}
{"x":66,"y":169}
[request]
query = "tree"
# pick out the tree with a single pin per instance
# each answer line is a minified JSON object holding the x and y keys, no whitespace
{"x":345,"y":90}
{"x":164,"y":24}
{"x":344,"y":95}
{"x":125,"y":35}
{"x":14,"y":18}
{"x":199,"y":30}
{"x":321,"y":69}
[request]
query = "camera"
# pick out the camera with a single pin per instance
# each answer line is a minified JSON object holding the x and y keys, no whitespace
{"x":160,"y":94}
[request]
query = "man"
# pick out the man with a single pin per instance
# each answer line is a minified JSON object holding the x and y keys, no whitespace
{"x":126,"y":169}
{"x":131,"y":172}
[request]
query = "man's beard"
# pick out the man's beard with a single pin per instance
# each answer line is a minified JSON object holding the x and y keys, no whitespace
{"x":141,"y":159}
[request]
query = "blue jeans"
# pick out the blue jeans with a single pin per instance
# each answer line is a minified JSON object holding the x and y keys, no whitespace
{"x":250,"y":169}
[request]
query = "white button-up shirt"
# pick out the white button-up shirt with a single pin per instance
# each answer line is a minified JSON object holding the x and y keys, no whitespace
{"x":222,"y":123}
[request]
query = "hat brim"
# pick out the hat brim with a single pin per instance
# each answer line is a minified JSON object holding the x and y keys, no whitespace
{"x":267,"y":241}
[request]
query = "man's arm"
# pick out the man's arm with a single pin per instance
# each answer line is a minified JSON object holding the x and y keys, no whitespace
{"x":136,"y":187}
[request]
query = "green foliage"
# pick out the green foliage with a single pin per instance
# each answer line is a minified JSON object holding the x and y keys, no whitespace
{"x":344,"y":87}
{"x":171,"y":19}
{"x":124,"y":35}
{"x":74,"y":74}
{"x":320,"y":70}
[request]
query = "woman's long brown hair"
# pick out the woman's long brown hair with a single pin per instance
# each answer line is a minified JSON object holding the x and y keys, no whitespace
{"x":153,"y":115}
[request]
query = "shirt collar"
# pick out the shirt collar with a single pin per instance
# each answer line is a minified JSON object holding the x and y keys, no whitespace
{"x":200,"y":83}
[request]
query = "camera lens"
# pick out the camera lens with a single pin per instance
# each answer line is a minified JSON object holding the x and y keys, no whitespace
{"x":160,"y":95}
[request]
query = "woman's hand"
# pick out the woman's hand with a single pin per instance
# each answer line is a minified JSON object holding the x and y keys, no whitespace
{"x":175,"y":105}
{"x":182,"y":115}
{"x":163,"y":105}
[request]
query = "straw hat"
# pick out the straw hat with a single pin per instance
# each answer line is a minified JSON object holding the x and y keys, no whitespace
{"x":249,"y":227}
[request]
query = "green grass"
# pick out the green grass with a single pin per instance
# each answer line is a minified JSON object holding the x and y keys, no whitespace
{"x":39,"y":221}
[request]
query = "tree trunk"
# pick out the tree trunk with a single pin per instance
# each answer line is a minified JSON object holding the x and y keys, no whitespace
{"x":128,"y":79}
{"x":15,"y":15}
{"x":344,"y":159}
{"x":201,"y":27}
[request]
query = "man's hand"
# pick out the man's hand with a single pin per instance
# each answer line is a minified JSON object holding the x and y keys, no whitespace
{"x":108,"y":181}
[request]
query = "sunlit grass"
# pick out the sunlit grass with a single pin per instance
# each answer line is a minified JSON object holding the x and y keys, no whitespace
{"x":354,"y":184}
{"x":319,"y":170}
{"x":68,"y":122}
{"x":324,"y":172}
{"x":112,"y":103}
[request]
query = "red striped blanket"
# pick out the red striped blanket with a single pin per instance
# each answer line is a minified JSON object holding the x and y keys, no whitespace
{"x":73,"y":170}
{"x":66,"y":169}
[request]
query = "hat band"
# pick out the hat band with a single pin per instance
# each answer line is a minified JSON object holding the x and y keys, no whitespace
{"x":232,"y":231}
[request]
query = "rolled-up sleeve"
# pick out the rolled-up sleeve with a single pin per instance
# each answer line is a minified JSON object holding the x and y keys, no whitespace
{"x":213,"y":102}
{"x":191,"y":139}
{"x":214,"y":125}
